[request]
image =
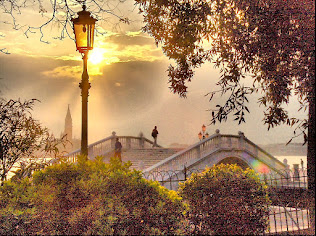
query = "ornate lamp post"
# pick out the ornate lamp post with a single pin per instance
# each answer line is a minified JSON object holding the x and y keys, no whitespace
{"x":84,"y":34}
{"x":202,"y":134}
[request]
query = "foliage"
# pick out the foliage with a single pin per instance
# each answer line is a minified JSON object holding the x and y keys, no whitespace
{"x":89,"y":197}
{"x":56,"y":14}
{"x":226,"y":200}
{"x":21,"y":136}
{"x":271,"y":40}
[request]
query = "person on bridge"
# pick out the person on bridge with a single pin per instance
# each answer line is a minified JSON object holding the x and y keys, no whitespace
{"x":154,"y":134}
{"x":118,"y":149}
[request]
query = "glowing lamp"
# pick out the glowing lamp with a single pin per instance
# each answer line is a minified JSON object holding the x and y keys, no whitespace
{"x":200,"y":136}
{"x":203,"y":128}
{"x":84,"y":30}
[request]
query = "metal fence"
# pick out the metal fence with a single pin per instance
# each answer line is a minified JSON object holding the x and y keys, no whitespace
{"x":289,"y":210}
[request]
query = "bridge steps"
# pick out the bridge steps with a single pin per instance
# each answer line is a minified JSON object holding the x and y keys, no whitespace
{"x":144,"y":158}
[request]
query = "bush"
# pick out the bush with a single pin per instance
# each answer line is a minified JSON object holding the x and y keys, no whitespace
{"x":226,"y":200}
{"x":91,"y":197}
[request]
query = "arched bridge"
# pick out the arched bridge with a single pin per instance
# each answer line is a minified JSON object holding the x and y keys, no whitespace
{"x":221,"y":148}
{"x":218,"y":148}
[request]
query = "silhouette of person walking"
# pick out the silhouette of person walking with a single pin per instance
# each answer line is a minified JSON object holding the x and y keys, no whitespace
{"x":118,"y":149}
{"x":154,"y":134}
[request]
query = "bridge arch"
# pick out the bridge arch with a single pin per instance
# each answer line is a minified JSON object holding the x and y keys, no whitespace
{"x":234,"y":160}
{"x":239,"y":157}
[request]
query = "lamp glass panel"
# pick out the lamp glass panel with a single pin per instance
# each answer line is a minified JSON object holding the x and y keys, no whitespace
{"x":81,"y":33}
{"x":91,"y":38}
{"x":84,"y":36}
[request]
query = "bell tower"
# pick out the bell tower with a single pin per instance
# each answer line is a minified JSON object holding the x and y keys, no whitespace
{"x":68,"y":125}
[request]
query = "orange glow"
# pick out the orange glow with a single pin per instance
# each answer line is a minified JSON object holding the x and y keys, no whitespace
{"x":96,"y":56}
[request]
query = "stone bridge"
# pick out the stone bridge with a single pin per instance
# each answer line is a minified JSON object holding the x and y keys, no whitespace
{"x":216,"y":149}
{"x":221,"y":148}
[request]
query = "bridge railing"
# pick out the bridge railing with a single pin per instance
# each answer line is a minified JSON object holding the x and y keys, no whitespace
{"x":182,"y":158}
{"x":171,"y":179}
{"x":107,"y":145}
{"x":215,"y":143}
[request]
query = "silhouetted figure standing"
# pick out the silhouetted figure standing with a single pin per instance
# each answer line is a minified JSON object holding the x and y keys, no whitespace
{"x":302,"y":163}
{"x":154,"y":134}
{"x":118,"y":149}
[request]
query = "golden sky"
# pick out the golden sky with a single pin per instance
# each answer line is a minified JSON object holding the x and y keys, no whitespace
{"x":129,"y":92}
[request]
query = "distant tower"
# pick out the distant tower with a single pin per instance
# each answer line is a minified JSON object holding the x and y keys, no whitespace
{"x":68,"y":125}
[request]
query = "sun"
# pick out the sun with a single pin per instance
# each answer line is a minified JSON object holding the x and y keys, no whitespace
{"x":96,"y":56}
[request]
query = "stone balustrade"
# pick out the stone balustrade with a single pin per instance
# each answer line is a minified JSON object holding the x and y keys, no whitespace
{"x":106,"y":145}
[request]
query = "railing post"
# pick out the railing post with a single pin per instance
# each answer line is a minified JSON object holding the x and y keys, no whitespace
{"x":113,"y":139}
{"x":91,"y":152}
{"x":185,"y":172}
{"x":241,"y":140}
{"x":141,"y":140}
{"x":229,"y":140}
{"x":296,"y":176}
{"x":218,"y":139}
{"x":198,"y":151}
{"x":128,"y":143}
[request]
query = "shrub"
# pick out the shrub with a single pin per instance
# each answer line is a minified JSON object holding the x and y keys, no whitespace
{"x":92,"y":197}
{"x":226,"y":200}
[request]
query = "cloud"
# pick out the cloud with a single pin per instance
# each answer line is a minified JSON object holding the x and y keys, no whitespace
{"x":70,"y":72}
{"x":127,"y":87}
{"x":132,"y":46}
{"x":130,"y":39}
{"x":60,"y":72}
{"x":116,"y":48}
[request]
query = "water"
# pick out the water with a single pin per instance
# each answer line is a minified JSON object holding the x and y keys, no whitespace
{"x":293,"y":160}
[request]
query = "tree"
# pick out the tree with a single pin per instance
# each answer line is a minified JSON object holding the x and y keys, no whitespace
{"x":56,"y":14}
{"x":226,"y":200}
{"x":270,"y":41}
{"x":22,"y":137}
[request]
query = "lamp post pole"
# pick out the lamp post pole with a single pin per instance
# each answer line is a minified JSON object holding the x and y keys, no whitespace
{"x":85,"y":86}
{"x":84,"y":34}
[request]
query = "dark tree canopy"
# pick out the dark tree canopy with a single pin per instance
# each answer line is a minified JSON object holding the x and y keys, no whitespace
{"x":21,"y":136}
{"x":271,"y":41}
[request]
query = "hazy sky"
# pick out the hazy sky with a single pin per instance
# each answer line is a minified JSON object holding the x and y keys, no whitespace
{"x":129,"y":92}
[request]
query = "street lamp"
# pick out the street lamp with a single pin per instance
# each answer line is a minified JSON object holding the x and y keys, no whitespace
{"x":84,"y":35}
{"x":203,"y":135}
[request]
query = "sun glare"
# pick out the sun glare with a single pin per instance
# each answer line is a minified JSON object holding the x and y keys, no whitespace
{"x":96,"y":56}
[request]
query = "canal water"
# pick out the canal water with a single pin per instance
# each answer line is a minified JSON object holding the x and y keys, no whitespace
{"x":293,"y":160}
